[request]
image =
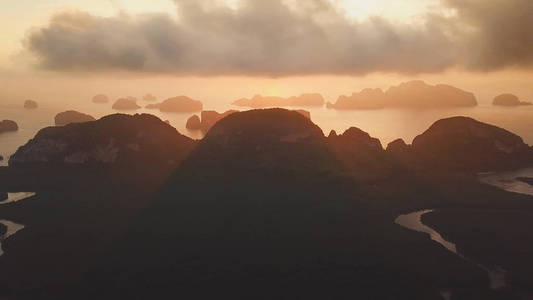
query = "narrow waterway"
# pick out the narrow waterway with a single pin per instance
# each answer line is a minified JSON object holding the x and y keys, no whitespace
{"x":12,"y":227}
{"x":508,"y":180}
{"x":413,"y":221}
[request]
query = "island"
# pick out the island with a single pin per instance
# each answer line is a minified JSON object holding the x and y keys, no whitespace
{"x":126,"y":104}
{"x":508,"y":100}
{"x":259,"y":101}
{"x":30,"y":104}
{"x":72,"y":116}
{"x":100,"y":98}
{"x":412,"y":94}
{"x":149,"y":98}
{"x":180,"y":104}
{"x":8,"y":126}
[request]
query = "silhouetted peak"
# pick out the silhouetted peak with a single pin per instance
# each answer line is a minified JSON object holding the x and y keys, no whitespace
{"x":123,"y":139}
{"x":462,"y":142}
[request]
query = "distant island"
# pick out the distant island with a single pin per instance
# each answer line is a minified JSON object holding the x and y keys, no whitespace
{"x":259,"y":101}
{"x":100,"y":98}
{"x":508,"y":100}
{"x":128,"y":103}
{"x":178,"y":104}
{"x":30,"y":104}
{"x":149,"y":98}
{"x":8,"y":125}
{"x":72,"y":116}
{"x":412,"y":94}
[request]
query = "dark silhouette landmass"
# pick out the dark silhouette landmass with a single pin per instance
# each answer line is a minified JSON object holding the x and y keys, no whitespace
{"x":527,"y":180}
{"x":464,"y":143}
{"x":178,"y":104}
{"x":208,"y":119}
{"x":3,"y":229}
{"x":71,"y":116}
{"x":412,"y":94}
{"x":30,"y":104}
{"x":194,"y":123}
{"x":100,"y":98}
{"x":115,"y":139}
{"x":259,"y":101}
{"x":263,"y":207}
{"x":3,"y":196}
{"x":126,"y":104}
{"x":508,"y":100}
{"x":8,"y":126}
{"x":150,"y":98}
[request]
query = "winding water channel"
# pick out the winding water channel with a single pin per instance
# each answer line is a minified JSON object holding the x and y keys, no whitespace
{"x":12,"y":227}
{"x":413,"y":221}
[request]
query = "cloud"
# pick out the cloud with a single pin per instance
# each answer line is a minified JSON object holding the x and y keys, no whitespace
{"x":273,"y":38}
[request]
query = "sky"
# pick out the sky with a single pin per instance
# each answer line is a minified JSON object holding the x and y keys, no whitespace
{"x":58,"y":48}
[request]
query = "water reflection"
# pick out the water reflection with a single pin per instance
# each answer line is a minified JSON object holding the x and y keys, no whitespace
{"x":14,"y":197}
{"x":508,"y":180}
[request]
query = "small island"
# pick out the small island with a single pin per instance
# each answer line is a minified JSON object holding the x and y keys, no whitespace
{"x":8,"y":126}
{"x":126,"y":104}
{"x":30,"y":104}
{"x":508,"y":100}
{"x":149,"y":98}
{"x":181,"y":104}
{"x":72,"y":116}
{"x":100,"y":98}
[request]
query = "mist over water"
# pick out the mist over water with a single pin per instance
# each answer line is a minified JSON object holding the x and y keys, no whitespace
{"x":385,"y":124}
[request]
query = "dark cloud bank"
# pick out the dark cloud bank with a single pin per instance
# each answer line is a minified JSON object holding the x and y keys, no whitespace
{"x":273,"y":39}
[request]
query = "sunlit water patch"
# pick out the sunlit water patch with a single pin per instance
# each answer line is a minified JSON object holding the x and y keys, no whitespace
{"x":14,"y":197}
{"x":508,"y":180}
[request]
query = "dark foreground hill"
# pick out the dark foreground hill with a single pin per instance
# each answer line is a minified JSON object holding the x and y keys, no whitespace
{"x":115,"y":139}
{"x":264,"y":207}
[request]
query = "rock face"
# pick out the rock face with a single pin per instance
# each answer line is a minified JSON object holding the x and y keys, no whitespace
{"x":150,"y":98}
{"x":125,"y":104}
{"x":30,"y":104}
{"x":359,"y":153}
{"x":508,"y":100}
{"x":259,"y":101}
{"x":210,"y":118}
{"x":8,"y":125}
{"x":467,"y":144}
{"x":71,"y":116}
{"x":115,"y":139}
{"x":266,"y":139}
{"x":178,"y":104}
{"x":100,"y":98}
{"x":194,"y":123}
{"x":413,"y":94}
